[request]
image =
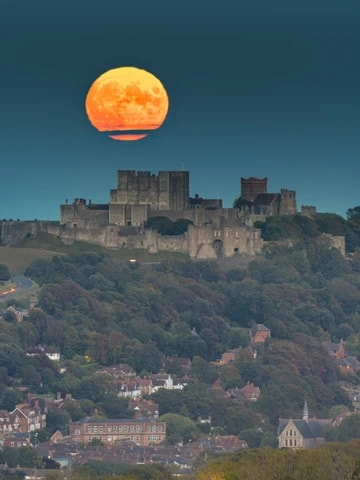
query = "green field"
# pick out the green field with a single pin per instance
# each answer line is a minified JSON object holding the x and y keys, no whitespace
{"x":45,"y":246}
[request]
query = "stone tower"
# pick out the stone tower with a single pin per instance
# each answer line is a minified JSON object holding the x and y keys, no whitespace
{"x":252,"y":187}
{"x":139,"y":192}
{"x":287,"y":202}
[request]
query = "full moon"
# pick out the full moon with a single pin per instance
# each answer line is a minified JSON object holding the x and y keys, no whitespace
{"x":128,"y":102}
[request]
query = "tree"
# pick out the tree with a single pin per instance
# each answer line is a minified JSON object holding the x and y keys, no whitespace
{"x":179,"y":428}
{"x":4,"y":273}
{"x":9,"y":399}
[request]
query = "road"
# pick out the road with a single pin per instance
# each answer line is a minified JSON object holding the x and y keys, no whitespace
{"x":22,"y":285}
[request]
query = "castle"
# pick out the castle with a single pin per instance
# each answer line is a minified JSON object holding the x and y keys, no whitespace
{"x":215,"y":231}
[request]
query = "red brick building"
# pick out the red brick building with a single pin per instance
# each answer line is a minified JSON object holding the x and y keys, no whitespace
{"x":142,"y":432}
{"x":259,"y":333}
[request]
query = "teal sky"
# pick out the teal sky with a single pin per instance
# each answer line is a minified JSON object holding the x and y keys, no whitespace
{"x":256,"y":88}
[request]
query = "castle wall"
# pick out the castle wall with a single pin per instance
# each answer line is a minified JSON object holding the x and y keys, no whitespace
{"x":213,"y":242}
{"x":11,"y":232}
{"x":84,"y":216}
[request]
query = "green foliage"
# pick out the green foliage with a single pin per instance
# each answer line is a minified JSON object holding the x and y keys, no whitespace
{"x":179,"y":428}
{"x":4,"y":273}
{"x":326,"y":463}
{"x":98,"y":312}
{"x":348,"y":429}
{"x":165,"y":226}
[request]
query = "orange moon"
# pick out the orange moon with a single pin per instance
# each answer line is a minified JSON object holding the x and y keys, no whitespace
{"x":127,"y":101}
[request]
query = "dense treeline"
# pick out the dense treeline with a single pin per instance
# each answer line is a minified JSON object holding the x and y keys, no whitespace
{"x":302,"y":228}
{"x":97,"y":312}
{"x":330,"y":462}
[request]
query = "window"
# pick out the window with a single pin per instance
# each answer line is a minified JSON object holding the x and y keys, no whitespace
{"x":95,"y":429}
{"x":77,"y":431}
{"x":89,"y":429}
{"x":115,"y":428}
{"x":100,"y":429}
{"x":159,"y":428}
{"x":89,"y":438}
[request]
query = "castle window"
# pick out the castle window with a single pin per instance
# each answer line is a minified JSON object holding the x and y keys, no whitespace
{"x":290,"y":442}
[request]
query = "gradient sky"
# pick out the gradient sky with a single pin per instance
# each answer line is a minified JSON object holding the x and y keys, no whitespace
{"x":256,"y":88}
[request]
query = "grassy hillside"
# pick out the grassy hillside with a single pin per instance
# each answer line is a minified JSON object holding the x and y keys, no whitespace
{"x":46,"y":246}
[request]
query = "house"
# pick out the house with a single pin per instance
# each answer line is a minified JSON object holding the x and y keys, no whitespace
{"x":336,"y":350}
{"x":19,"y":314}
{"x":165,"y":381}
{"x":229,"y":443}
{"x":302,"y":433}
{"x":259,"y":333}
{"x":16,"y":440}
{"x":25,"y":418}
{"x":40,"y":351}
{"x":122,"y":370}
{"x":229,"y":356}
{"x":141,"y":432}
{"x":249,"y":392}
{"x":349,"y":365}
{"x":144,"y":408}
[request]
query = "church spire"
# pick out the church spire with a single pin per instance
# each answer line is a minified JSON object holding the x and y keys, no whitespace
{"x":306,"y":412}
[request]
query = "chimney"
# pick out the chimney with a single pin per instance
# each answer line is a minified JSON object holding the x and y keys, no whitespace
{"x":306,"y":412}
